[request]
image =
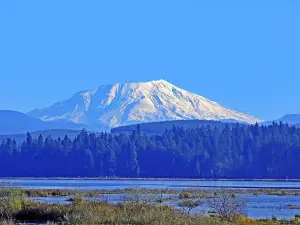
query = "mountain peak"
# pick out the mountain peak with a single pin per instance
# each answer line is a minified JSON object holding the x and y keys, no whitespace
{"x":123,"y":104}
{"x":131,"y":84}
{"x":159,"y":81}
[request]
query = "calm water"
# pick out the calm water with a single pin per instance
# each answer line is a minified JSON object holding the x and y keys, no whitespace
{"x":148,"y":184}
{"x":262,"y":206}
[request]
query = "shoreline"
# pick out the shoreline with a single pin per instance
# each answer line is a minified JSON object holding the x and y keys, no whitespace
{"x":51,"y":192}
{"x":146,"y":179}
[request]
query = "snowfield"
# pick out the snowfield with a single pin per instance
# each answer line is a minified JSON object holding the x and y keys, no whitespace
{"x":116,"y":105}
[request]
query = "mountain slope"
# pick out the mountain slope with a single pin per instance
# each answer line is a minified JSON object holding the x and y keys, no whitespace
{"x":12,"y":122}
{"x":161,"y":127}
{"x":124,"y":104}
{"x":292,"y":119}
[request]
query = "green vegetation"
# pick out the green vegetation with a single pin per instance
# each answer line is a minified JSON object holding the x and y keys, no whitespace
{"x":11,"y":202}
{"x":189,"y":204}
{"x":186,"y":194}
{"x":14,"y":208}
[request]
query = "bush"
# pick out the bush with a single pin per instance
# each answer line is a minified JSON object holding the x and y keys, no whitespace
{"x":189,"y":205}
{"x":185,"y":195}
{"x":297,"y":219}
{"x":227,"y":206}
{"x":246,"y":221}
{"x":11,"y":201}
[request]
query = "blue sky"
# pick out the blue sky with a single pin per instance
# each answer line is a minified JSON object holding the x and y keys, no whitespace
{"x":242,"y":54}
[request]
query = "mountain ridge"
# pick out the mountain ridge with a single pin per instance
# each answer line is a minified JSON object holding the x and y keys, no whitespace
{"x":291,"y":119}
{"x":109,"y":106}
{"x":12,"y":122}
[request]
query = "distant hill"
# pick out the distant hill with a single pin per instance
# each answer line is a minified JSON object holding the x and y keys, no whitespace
{"x":291,"y":119}
{"x":161,"y":127}
{"x":13,"y":122}
{"x":19,"y":138}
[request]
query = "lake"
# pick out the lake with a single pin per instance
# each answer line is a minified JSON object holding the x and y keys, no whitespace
{"x":91,"y":184}
{"x":258,"y":207}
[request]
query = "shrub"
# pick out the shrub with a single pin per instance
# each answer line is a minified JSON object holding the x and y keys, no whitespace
{"x":226,"y":205}
{"x":189,"y":205}
{"x":185,"y":195}
{"x":11,"y":201}
{"x":297,"y":219}
{"x":246,"y":221}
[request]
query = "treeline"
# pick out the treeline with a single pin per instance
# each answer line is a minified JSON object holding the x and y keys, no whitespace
{"x":236,"y":151}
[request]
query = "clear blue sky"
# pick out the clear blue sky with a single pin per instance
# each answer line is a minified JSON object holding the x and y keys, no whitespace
{"x":242,"y":54}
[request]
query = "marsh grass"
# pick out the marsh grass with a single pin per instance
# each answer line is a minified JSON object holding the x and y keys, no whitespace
{"x":190,"y":193}
{"x":11,"y":201}
{"x":135,"y":210}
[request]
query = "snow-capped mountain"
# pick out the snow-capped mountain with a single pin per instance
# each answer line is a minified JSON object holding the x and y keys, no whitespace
{"x":123,"y":104}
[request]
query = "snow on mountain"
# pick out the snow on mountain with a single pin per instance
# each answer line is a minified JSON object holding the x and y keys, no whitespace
{"x":123,"y":104}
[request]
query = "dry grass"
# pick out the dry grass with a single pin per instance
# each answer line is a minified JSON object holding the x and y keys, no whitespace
{"x":133,"y":211}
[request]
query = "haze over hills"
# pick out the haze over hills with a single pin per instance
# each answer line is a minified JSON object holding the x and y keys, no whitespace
{"x":12,"y":122}
{"x":292,"y":119}
{"x":53,"y":133}
{"x":110,"y":106}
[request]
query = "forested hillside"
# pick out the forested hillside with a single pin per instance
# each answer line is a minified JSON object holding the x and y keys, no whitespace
{"x":235,"y":151}
{"x":19,"y":138}
{"x":161,"y":127}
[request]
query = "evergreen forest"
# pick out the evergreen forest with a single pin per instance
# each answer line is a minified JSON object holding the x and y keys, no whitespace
{"x":231,"y":151}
